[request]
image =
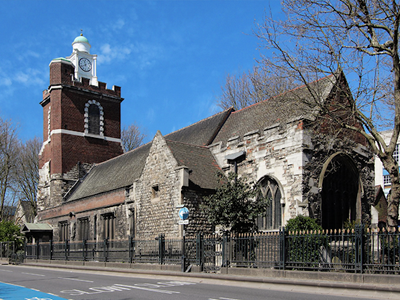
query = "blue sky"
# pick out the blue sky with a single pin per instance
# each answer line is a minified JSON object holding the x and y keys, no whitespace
{"x":170,"y":57}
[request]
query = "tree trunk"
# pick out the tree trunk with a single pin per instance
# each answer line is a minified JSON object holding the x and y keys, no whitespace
{"x":392,"y":167}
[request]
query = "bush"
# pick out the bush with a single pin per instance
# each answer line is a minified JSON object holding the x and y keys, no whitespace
{"x":10,"y":232}
{"x":304,"y":249}
{"x":302,"y":223}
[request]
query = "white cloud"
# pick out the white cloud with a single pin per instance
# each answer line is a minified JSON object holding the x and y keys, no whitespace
{"x":150,"y":115}
{"x":119,"y":24}
{"x":141,"y":55}
{"x":26,"y":55}
{"x":109,"y":54}
{"x":30,"y":77}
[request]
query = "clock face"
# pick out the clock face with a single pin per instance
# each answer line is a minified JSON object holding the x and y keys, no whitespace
{"x":85,"y":64}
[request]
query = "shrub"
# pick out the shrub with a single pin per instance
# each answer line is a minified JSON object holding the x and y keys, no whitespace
{"x":304,"y":249}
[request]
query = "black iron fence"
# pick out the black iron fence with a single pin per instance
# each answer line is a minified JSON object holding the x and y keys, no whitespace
{"x":358,"y":251}
{"x":7,"y":249}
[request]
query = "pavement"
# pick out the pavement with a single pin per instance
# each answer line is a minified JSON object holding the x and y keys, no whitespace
{"x":333,"y":280}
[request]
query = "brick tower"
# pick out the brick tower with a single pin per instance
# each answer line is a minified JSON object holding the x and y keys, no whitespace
{"x":81,"y":123}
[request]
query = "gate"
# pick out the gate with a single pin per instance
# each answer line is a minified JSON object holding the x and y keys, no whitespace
{"x":213,"y":249}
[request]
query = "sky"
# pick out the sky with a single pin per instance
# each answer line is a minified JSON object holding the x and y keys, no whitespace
{"x":169,"y":57}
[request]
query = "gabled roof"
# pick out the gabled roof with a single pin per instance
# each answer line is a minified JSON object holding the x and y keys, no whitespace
{"x":113,"y":174}
{"x":36,"y":227}
{"x":201,"y":133}
{"x":279,"y":109}
{"x":200,"y":161}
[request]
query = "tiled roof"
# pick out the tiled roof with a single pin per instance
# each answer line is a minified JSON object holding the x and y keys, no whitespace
{"x":279,"y":109}
{"x":200,"y":161}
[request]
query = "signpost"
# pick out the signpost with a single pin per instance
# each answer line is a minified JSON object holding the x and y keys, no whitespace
{"x":183,"y":215}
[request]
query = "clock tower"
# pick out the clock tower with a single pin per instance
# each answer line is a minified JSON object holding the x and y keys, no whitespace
{"x":81,"y":124}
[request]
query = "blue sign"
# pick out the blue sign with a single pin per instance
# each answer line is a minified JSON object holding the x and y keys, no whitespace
{"x":183,"y":213}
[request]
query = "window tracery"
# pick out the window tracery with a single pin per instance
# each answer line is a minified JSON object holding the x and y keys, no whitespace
{"x":272,"y":218}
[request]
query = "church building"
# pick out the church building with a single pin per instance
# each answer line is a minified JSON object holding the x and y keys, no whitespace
{"x":90,"y":190}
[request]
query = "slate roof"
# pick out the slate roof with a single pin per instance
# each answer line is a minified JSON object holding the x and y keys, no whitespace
{"x":200,"y":161}
{"x":201,"y":133}
{"x":281,"y":108}
{"x":36,"y":227}
{"x":113,"y":174}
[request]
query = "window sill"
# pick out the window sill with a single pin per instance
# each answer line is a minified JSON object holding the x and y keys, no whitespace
{"x":95,"y":136}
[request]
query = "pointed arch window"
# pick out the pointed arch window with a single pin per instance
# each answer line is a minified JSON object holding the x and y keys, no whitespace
{"x":272,"y":218}
{"x":94,"y":118}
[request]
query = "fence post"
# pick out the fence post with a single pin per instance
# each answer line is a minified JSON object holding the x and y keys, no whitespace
{"x":84,"y":250}
{"x":105,"y":249}
{"x":66,"y":249}
{"x":130,"y":249}
{"x":161,"y":248}
{"x":199,"y":250}
{"x":37,"y":249}
{"x":359,"y":241}
{"x":282,"y":249}
{"x":25,"y":248}
{"x":225,"y":246}
{"x":51,"y":249}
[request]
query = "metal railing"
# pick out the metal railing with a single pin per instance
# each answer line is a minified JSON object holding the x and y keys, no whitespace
{"x":357,"y":251}
{"x":7,"y":249}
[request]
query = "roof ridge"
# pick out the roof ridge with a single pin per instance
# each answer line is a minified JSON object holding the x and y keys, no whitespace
{"x":202,"y":120}
{"x":123,"y":154}
{"x":187,"y":144}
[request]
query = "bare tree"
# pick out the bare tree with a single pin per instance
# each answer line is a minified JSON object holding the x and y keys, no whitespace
{"x":8,"y":160}
{"x":251,"y":87}
{"x":27,"y":175}
{"x":132,"y":137}
{"x":359,"y":38}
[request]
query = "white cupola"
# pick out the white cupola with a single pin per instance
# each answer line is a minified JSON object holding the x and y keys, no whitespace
{"x":84,"y":62}
{"x":81,"y":44}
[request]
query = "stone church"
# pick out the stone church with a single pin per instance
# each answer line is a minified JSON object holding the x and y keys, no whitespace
{"x":90,"y":190}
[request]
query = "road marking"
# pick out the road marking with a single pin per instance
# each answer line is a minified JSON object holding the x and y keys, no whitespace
{"x":222,"y":298}
{"x":151,"y":287}
{"x":6,"y":271}
{"x":33,"y":274}
{"x":75,"y":279}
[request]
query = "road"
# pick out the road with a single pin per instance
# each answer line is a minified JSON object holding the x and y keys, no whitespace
{"x":80,"y":285}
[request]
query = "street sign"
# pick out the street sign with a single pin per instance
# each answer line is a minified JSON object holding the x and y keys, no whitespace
{"x":183,"y":213}
{"x":183,"y":222}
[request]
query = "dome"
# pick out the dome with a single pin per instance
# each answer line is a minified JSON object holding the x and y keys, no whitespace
{"x":80,"y":39}
{"x":81,"y":44}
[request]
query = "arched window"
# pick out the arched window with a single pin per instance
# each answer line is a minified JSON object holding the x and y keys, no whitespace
{"x":94,"y":120}
{"x":272,"y":219}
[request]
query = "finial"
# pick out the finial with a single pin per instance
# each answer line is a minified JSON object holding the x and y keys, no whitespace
{"x":81,"y":32}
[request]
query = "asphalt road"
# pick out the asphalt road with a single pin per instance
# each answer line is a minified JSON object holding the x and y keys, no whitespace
{"x":79,"y":285}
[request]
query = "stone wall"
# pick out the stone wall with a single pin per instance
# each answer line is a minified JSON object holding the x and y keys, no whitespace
{"x":275,"y":152}
{"x":293,"y":154}
{"x":157,"y":193}
{"x":321,"y":149}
